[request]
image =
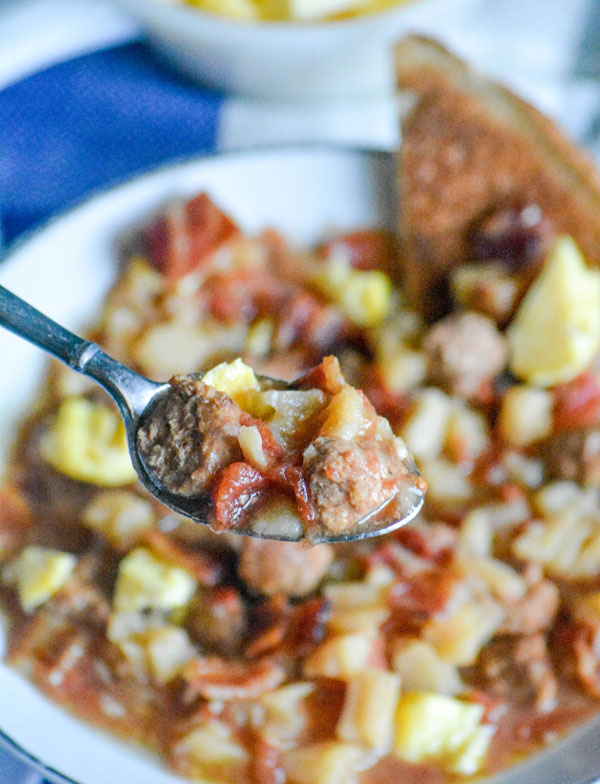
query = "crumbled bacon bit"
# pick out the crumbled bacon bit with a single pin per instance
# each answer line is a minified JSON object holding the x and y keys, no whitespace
{"x":206,"y":567}
{"x":215,"y":678}
{"x":188,"y":235}
{"x":327,"y":377}
{"x":577,"y":404}
{"x":235,"y":490}
{"x":365,"y":249}
{"x":266,"y":763}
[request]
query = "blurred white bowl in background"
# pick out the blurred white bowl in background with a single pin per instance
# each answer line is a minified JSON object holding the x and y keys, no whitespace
{"x":286,"y":60}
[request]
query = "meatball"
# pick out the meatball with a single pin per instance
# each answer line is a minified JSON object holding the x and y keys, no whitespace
{"x":518,"y":668}
{"x":289,"y":568}
{"x":192,"y":434}
{"x":348,"y":480}
{"x":575,"y":455}
{"x":217,"y":620}
{"x":464,"y":352}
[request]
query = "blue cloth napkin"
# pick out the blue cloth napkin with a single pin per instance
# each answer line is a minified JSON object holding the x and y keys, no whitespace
{"x":90,"y":122}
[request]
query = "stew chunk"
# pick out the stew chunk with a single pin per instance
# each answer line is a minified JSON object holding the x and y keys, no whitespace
{"x":192,"y":435}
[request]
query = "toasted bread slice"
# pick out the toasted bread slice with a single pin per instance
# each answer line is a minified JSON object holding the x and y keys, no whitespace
{"x":470,"y":146}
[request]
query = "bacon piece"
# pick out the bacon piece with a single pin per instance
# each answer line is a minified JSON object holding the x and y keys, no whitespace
{"x":291,"y":477}
{"x":15,"y":521}
{"x":269,"y":626}
{"x":366,"y":249}
{"x":577,"y":404}
{"x":327,"y":377}
{"x":215,"y":678}
{"x":235,"y":490}
{"x":266,"y":762}
{"x":206,"y":567}
{"x":243,"y":294}
{"x":188,"y":235}
{"x":271,"y":446}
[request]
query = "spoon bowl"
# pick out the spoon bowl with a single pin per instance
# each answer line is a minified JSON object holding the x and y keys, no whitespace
{"x":137,"y":397}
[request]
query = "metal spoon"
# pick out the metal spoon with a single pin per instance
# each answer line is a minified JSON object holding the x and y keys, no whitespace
{"x":136,"y":396}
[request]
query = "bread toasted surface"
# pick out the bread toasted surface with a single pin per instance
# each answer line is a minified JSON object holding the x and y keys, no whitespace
{"x":469,"y":147}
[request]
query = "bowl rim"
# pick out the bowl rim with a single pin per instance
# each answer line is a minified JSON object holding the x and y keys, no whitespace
{"x":183,"y":12}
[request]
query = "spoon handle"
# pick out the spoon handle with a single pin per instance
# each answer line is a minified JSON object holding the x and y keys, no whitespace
{"x":129,"y":389}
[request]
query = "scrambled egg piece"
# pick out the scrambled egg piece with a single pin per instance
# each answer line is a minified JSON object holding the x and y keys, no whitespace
{"x":87,"y":441}
{"x":436,"y":728}
{"x":243,"y":10}
{"x":365,"y":297}
{"x":146,"y":582}
{"x":556,"y":331}
{"x":235,"y":379}
{"x":39,"y":573}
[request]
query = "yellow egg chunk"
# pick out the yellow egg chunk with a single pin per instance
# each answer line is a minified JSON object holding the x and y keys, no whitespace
{"x":244,"y":10}
{"x":436,"y":728}
{"x":39,"y":573}
{"x":365,"y":297}
{"x":87,"y":442}
{"x":235,"y":379}
{"x":556,"y":331}
{"x":310,"y":10}
{"x":145,"y":582}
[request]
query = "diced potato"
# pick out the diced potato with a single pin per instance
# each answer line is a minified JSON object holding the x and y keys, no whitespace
{"x":345,"y":415}
{"x":467,"y":434}
{"x":443,"y":730}
{"x":177,"y":346}
{"x":251,"y":444}
{"x":567,"y":545}
{"x":87,"y":442}
{"x":403,"y":370}
{"x":502,"y":580}
{"x":357,"y":606}
{"x":147,"y":582}
{"x":525,"y":415}
{"x":364,"y":297}
{"x":470,"y":757}
{"x":131,"y":305}
{"x":120,"y":516}
{"x":556,"y":332}
{"x":278,"y":517}
{"x":526,"y":471}
{"x":287,"y":410}
{"x":561,"y":496}
{"x":458,"y":638}
{"x":235,"y":379}
{"x":168,"y":649}
{"x":328,"y":762}
{"x":421,"y":669}
{"x":476,"y":533}
{"x":259,"y":337}
{"x":426,"y":427}
{"x":39,"y":573}
{"x":340,"y":656}
{"x":488,"y":288}
{"x":285,"y":715}
{"x":369,"y":709}
{"x":210,"y":753}
{"x":448,"y":484}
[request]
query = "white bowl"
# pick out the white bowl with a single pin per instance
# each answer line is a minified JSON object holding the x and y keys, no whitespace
{"x":66,"y":270}
{"x":289,"y":61}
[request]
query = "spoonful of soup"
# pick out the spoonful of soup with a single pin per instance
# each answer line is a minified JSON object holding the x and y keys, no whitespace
{"x":248,"y":454}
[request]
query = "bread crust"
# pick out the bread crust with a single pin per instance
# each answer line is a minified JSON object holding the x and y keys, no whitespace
{"x":469,"y":145}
